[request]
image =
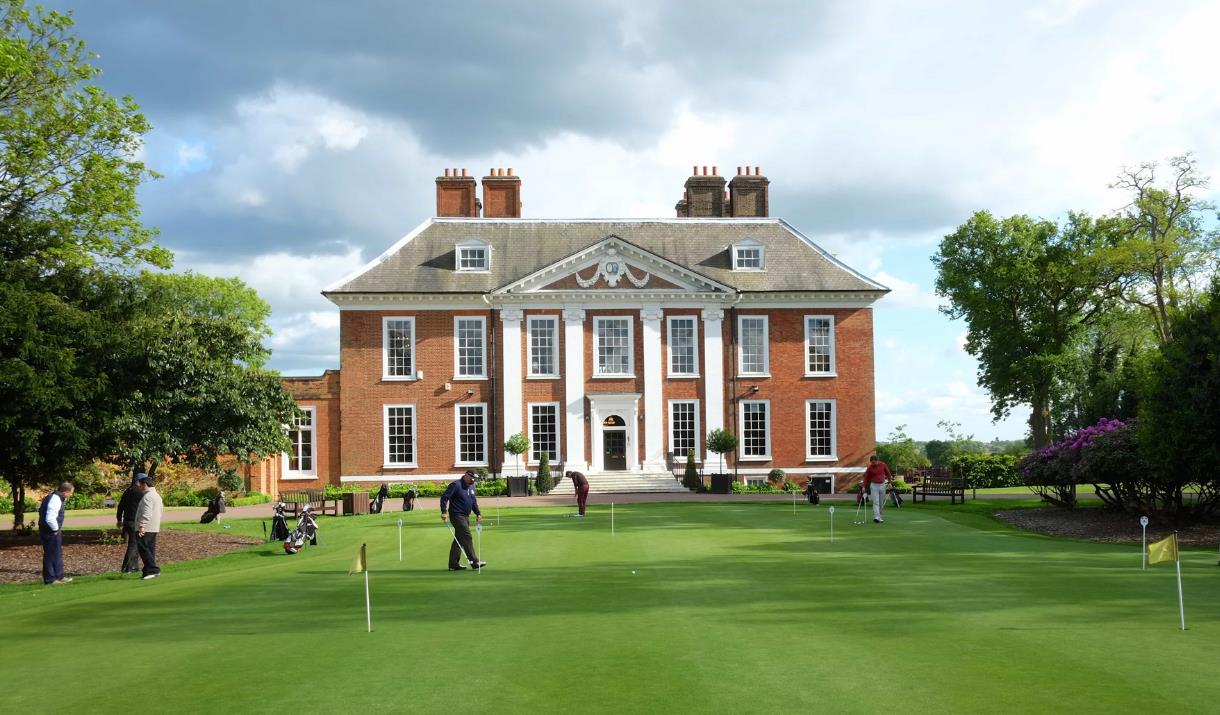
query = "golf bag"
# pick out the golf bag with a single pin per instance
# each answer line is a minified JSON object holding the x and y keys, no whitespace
{"x":208,"y":517}
{"x":279,"y":523}
{"x":307,"y":530}
{"x":811,"y":492}
{"x":896,"y":495}
{"x":379,"y":499}
{"x":408,"y":501}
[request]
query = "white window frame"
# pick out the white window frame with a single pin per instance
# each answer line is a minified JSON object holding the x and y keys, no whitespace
{"x":834,"y":431}
{"x":472,"y":244}
{"x":832,"y":371}
{"x":559,"y":416}
{"x":412,"y":374}
{"x":752,"y":481}
{"x":597,"y":347}
{"x":457,"y":362}
{"x":749,"y":245}
{"x":698,"y":442}
{"x":529,"y":350}
{"x":669,"y":345}
{"x":385,"y":437}
{"x":289,"y":473}
{"x":741,"y":346}
{"x":457,"y":435}
{"x":741,"y":417}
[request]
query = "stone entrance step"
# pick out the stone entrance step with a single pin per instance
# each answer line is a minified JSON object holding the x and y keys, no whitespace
{"x":624,"y":483}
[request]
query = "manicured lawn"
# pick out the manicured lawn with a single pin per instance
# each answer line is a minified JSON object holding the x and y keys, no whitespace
{"x":732,"y":607}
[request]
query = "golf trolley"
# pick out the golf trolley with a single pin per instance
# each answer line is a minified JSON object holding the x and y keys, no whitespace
{"x":307,"y":530}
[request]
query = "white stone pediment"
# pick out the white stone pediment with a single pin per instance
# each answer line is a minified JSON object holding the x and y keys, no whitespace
{"x":613,"y":265}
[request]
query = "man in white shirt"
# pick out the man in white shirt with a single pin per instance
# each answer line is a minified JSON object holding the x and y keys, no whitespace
{"x":148,"y":524}
{"x":50,"y":528}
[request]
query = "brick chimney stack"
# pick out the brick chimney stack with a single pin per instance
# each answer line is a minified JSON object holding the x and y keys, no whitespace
{"x":749,"y":196}
{"x":455,"y":195}
{"x":501,"y":194}
{"x":704,"y":195}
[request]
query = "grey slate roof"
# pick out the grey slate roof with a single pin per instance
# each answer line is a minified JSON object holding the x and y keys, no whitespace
{"x":424,"y":261}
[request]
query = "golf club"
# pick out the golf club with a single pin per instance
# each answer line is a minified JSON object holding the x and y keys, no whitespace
{"x":478,"y":527}
{"x":453,"y":533}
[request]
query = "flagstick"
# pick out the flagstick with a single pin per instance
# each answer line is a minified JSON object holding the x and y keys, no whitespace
{"x":368,"y":607}
{"x":1144,"y":538}
{"x":794,"y":503}
{"x":400,"y":539}
{"x":1177,"y":562}
{"x":612,"y":518}
{"x":497,"y":510}
{"x":832,"y":524}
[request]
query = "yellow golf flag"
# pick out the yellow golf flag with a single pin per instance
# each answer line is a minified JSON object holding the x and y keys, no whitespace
{"x":1164,"y":550}
{"x":362,"y":563}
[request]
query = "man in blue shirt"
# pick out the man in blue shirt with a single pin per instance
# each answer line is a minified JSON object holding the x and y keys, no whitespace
{"x":456,"y":504}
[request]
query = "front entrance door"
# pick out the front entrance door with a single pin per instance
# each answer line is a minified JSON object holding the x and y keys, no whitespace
{"x":614,"y":456}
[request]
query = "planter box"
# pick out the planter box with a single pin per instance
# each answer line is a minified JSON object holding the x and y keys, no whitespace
{"x":518,"y":486}
{"x":356,"y":503}
{"x":722,"y":484}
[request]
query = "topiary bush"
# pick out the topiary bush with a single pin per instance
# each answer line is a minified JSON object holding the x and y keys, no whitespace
{"x":690,"y":477}
{"x":544,"y":482}
{"x":230,"y":481}
{"x":776,"y":476}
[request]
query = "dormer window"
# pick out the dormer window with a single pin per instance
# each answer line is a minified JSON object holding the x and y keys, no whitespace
{"x":473,"y":256}
{"x":748,"y":256}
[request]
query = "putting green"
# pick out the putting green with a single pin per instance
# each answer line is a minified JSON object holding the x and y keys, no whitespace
{"x":732,"y":607}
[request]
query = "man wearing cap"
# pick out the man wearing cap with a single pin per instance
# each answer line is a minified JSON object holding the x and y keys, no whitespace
{"x":126,"y":518}
{"x":456,"y":504}
{"x":148,"y":524}
{"x":50,"y":529}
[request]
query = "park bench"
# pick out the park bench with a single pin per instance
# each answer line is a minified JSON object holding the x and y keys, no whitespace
{"x":952,"y":487}
{"x":315,"y":498}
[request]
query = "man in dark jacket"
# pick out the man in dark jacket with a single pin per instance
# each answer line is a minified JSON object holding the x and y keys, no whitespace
{"x":456,"y":504}
{"x":126,"y":519}
{"x":50,"y":530}
{"x":581,"y":484}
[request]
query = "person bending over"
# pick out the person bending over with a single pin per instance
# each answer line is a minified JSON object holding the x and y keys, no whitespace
{"x":581,"y":484}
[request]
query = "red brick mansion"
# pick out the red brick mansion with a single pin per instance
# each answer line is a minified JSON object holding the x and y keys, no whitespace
{"x":611,"y":343}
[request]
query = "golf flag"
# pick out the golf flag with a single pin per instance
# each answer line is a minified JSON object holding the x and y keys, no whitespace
{"x":1164,"y":550}
{"x":362,"y":564}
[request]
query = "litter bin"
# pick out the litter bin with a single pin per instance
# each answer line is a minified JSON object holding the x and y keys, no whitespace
{"x":518,"y":486}
{"x":722,"y":483}
{"x":355,"y":503}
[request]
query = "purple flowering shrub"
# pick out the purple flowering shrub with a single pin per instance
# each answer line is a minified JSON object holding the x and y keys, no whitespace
{"x":1054,"y":472}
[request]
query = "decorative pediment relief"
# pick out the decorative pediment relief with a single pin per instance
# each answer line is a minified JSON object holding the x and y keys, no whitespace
{"x":614,"y":265}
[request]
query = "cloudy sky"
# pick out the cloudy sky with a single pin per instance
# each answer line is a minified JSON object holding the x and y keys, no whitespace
{"x":300,"y":139}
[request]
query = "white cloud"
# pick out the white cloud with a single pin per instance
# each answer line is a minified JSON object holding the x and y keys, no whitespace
{"x":905,"y":294}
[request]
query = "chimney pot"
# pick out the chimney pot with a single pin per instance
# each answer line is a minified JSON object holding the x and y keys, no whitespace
{"x":757,"y":172}
{"x":446,"y":172}
{"x":715,"y":171}
{"x":694,"y":171}
{"x":739,"y":171}
{"x":510,"y":171}
{"x":463,"y":171}
{"x":705,"y":170}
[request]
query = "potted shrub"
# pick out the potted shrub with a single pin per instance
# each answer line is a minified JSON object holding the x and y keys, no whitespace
{"x":544,"y":483}
{"x":721,"y":442}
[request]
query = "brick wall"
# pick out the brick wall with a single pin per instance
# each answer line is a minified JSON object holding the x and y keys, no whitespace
{"x":364,"y":393}
{"x":323,"y":395}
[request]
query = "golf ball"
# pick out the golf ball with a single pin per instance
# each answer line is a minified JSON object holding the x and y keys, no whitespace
{"x":633,"y":572}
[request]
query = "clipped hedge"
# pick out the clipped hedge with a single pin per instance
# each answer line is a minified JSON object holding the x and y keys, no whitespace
{"x":484,"y":488}
{"x":986,"y":471}
{"x":249,"y":500}
{"x":6,"y":505}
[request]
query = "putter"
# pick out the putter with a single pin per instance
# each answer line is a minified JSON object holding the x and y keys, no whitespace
{"x":478,"y":527}
{"x":453,"y":533}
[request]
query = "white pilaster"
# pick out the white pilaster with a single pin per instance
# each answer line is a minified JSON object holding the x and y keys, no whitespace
{"x":713,"y":373}
{"x":654,"y":432}
{"x":574,"y":388}
{"x":510,"y":357}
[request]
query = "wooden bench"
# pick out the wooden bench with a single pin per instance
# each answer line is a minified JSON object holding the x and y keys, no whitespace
{"x":315,"y":498}
{"x":952,"y":487}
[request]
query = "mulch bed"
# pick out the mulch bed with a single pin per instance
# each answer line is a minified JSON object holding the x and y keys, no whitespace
{"x":90,"y":552}
{"x":1104,"y":525}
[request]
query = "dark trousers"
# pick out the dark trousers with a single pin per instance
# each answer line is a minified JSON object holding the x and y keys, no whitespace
{"x":52,"y":557}
{"x":582,"y":496}
{"x":147,"y":546}
{"x":461,"y":534}
{"x":130,"y":562}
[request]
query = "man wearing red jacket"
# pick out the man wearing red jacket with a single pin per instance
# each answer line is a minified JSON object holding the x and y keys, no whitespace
{"x":875,"y":476}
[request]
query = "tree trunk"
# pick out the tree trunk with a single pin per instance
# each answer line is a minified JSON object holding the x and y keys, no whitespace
{"x":18,"y":506}
{"x":1040,"y":419}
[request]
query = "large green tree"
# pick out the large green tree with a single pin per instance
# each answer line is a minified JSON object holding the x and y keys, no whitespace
{"x":69,"y":226}
{"x":1166,"y":254}
{"x":190,"y":383}
{"x":1025,"y":288}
